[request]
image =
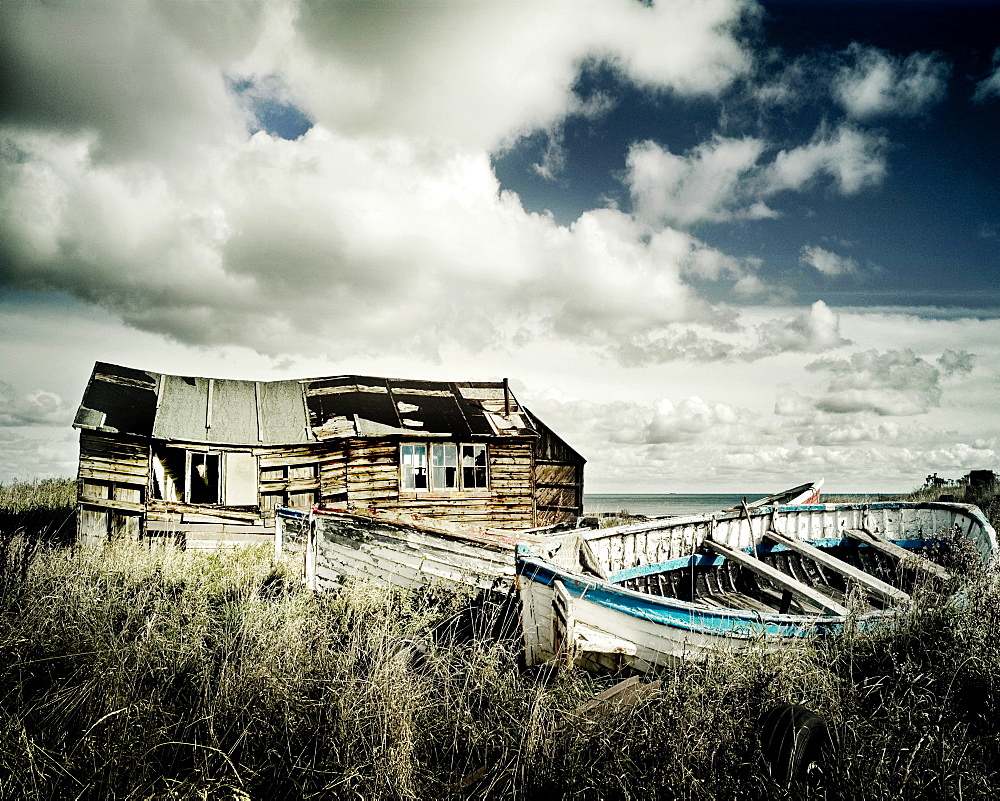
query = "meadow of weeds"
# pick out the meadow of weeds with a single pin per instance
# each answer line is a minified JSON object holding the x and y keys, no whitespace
{"x":129,"y":672}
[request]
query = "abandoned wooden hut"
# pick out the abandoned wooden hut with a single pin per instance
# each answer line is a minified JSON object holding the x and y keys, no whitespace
{"x":207,"y":460}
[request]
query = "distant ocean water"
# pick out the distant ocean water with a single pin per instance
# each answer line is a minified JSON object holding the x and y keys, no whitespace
{"x":673,"y":503}
{"x":658,"y":505}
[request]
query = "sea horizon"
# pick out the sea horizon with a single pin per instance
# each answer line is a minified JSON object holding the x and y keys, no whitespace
{"x":677,"y":503}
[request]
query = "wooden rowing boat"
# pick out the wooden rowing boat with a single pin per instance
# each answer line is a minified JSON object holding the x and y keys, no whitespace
{"x":796,"y":496}
{"x":645,"y":594}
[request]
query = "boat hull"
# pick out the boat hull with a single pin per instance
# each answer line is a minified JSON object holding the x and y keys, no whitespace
{"x":411,"y":554}
{"x":650,"y":630}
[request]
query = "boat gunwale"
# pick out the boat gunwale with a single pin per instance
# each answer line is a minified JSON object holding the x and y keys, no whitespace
{"x":714,"y":560}
{"x":764,"y":511}
{"x":501,"y":540}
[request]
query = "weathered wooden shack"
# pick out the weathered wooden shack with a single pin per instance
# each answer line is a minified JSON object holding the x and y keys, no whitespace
{"x":206,"y":460}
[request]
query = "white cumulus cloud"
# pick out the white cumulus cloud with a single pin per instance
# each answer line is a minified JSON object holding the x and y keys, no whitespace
{"x":989,"y":86}
{"x":703,"y":185}
{"x":826,"y":262}
{"x":731,"y":179}
{"x":893,"y":383}
{"x":853,"y":158}
{"x":873,"y":83}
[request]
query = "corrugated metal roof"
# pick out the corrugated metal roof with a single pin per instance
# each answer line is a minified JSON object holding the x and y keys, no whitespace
{"x":225,"y":411}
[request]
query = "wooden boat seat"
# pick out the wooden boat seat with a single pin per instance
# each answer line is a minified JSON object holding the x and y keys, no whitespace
{"x":778,"y":578}
{"x":871,"y":584}
{"x":905,"y":557}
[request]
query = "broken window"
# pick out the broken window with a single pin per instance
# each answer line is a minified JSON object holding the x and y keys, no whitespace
{"x":202,"y":478}
{"x":169,"y":467}
{"x":474,"y":467}
{"x":453,"y":467}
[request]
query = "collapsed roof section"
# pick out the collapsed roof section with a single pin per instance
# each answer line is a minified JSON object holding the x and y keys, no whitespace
{"x":224,"y":411}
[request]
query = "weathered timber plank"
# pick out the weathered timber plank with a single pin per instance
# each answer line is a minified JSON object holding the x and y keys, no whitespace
{"x":907,"y":558}
{"x":372,"y":476}
{"x":774,"y":575}
{"x":555,"y":474}
{"x":381,"y":489}
{"x":210,"y":528}
{"x":560,"y":498}
{"x":111,"y":477}
{"x":370,"y":493}
{"x":158,"y":507}
{"x":869,"y":582}
{"x":108,"y":503}
{"x":288,"y":460}
{"x":125,"y":464}
{"x":289,"y":486}
{"x":112,"y":447}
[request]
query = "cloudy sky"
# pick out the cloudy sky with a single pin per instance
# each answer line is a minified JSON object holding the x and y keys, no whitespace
{"x":718,"y":245}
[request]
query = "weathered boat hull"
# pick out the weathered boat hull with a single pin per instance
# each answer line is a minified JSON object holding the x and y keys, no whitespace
{"x":565,"y":611}
{"x":409,"y":554}
{"x":628,"y":546}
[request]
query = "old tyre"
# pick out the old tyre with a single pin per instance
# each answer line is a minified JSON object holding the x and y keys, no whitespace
{"x":794,"y":741}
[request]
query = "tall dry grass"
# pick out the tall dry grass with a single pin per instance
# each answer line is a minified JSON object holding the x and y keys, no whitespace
{"x":134,"y":673}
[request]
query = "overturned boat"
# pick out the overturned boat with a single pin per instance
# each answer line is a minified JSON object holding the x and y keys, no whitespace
{"x":643,"y":595}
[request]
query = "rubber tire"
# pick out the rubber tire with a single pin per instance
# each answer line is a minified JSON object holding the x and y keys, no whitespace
{"x":794,"y":741}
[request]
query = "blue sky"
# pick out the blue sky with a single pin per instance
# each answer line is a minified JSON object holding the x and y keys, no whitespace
{"x":927,"y":232}
{"x":718,"y":245}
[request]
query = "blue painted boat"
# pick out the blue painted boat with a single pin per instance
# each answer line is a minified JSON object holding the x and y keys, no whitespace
{"x":643,"y":595}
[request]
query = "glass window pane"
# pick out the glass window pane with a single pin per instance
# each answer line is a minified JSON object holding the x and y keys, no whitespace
{"x":444,"y":466}
{"x":474,"y":467}
{"x":413,"y":467}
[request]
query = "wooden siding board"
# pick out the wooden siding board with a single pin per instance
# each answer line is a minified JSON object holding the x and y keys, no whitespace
{"x":109,"y":503}
{"x":550,"y":496}
{"x":93,"y":524}
{"x":555,"y":473}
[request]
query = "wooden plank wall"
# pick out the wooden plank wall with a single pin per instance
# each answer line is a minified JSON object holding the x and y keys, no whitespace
{"x":114,"y":480}
{"x":373,"y":481}
{"x":558,"y":480}
{"x":111,"y":486}
{"x":289,"y":476}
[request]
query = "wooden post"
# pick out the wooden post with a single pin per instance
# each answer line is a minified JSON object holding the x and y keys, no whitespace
{"x":310,"y":554}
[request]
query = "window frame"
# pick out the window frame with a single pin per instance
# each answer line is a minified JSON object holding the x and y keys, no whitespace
{"x":219,"y":478}
{"x":409,"y":468}
{"x":408,"y":484}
